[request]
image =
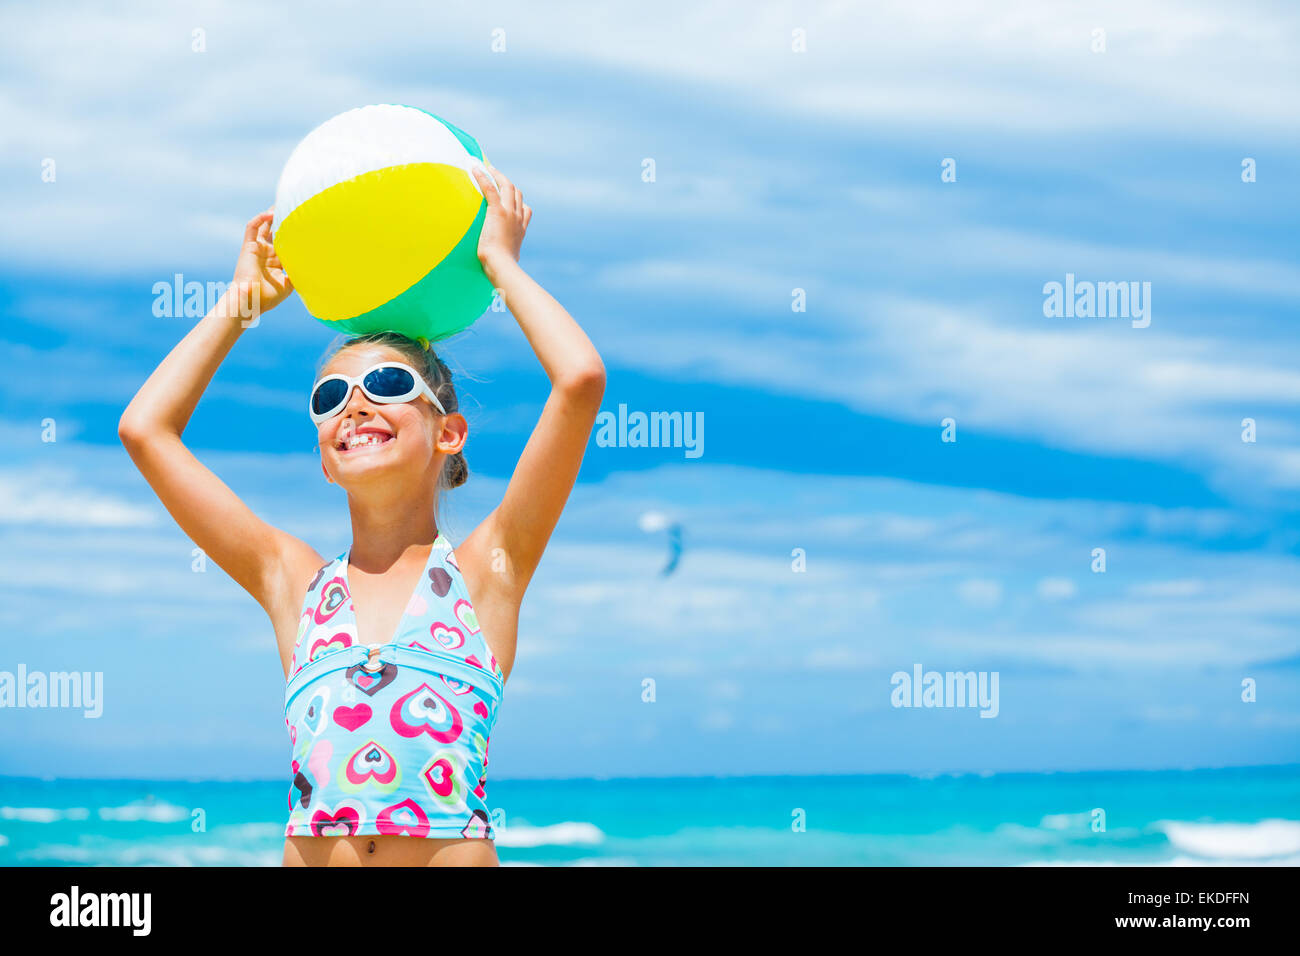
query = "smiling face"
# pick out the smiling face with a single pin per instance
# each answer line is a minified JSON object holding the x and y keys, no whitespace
{"x":369,"y":440}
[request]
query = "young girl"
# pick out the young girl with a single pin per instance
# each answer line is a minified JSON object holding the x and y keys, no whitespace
{"x":397,"y":651}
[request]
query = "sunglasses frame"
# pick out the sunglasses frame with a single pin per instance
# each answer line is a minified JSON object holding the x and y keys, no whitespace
{"x":421,"y":388}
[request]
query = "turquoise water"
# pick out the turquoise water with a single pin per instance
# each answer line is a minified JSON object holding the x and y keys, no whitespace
{"x":1197,"y":817}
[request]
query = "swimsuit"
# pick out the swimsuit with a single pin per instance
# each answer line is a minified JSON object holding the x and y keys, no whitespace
{"x":397,"y":747}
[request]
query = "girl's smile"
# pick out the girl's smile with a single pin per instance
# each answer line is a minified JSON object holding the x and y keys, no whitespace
{"x":366,"y":439}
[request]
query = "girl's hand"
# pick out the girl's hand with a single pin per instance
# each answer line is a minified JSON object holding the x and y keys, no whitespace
{"x":258,"y":267}
{"x":507,"y":220}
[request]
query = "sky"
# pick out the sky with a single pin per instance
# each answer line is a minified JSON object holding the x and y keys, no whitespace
{"x":841,"y":260}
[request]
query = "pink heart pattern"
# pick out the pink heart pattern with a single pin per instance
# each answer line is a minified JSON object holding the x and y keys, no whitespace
{"x":425,"y":711}
{"x":403,"y":819}
{"x":351,"y":718}
{"x":342,"y":820}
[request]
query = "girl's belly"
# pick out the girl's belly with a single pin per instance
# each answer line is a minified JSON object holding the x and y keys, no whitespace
{"x":387,"y":851}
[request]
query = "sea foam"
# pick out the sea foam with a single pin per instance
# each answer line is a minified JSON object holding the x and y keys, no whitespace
{"x":557,"y":834}
{"x":1234,"y":841}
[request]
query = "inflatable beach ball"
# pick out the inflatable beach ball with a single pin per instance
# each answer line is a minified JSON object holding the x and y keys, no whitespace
{"x":377,"y":219}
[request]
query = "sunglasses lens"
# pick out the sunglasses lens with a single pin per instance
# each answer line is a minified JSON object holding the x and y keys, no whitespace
{"x":389,"y":382}
{"x":328,"y":396}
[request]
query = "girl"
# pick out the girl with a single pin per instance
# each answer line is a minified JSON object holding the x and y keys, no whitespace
{"x":396,"y":652}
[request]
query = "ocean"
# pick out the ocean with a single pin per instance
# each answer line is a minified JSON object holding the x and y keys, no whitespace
{"x":1231,"y":816}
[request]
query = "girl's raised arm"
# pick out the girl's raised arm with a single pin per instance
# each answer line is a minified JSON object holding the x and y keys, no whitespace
{"x":265,"y":561}
{"x":548,"y":467}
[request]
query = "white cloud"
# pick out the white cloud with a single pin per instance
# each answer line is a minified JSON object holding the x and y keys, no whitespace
{"x":190,"y":155}
{"x":980,"y":592}
{"x":1097,"y":388}
{"x":1057,"y":589}
{"x":725,"y":690}
{"x":1099,"y":652}
{"x":840,"y":659}
{"x":186,"y":162}
{"x":54,"y":497}
{"x":1177,"y":590}
{"x":717,"y":719}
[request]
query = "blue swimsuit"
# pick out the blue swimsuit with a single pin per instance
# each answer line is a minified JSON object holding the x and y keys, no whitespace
{"x":398,"y":746}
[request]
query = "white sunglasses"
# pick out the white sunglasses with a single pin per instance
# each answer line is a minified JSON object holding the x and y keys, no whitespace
{"x":388,"y":383}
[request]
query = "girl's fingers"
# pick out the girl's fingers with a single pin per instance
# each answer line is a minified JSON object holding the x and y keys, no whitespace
{"x":528,"y":216}
{"x":509,"y":192}
{"x":508,"y":198}
{"x":493,"y":182}
{"x":254,"y":226}
{"x":486,"y":183}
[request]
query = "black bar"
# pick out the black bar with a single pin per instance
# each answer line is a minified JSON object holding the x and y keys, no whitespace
{"x":1062,"y":904}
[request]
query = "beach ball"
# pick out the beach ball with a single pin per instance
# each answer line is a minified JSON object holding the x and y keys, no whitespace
{"x":377,"y":219}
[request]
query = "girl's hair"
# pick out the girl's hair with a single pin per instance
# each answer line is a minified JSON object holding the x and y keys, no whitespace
{"x":420,"y":356}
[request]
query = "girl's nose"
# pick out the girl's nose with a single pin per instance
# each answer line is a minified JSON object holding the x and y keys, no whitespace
{"x":357,"y":401}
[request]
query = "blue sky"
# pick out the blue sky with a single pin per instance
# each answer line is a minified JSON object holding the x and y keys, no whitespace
{"x":775,"y":171}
